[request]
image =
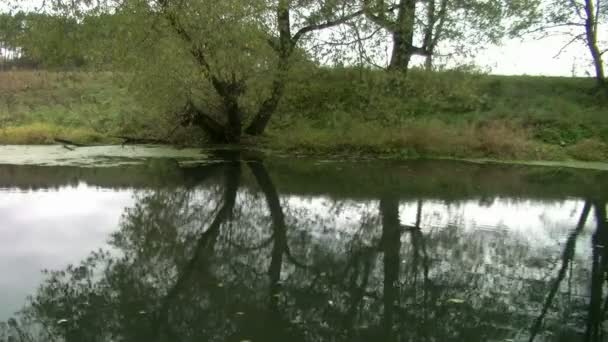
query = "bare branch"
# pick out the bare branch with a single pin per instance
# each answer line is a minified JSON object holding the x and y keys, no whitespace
{"x":327,"y":24}
{"x":577,"y":9}
{"x":380,"y":19}
{"x":580,"y":36}
{"x":439,"y":29}
{"x":356,"y":40}
{"x":421,"y":51}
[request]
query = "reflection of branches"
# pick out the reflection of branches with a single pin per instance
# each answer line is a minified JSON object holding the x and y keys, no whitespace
{"x":419,"y":246}
{"x":598,"y":270}
{"x":567,"y":257}
{"x":279,"y":248}
{"x":205,"y":245}
{"x":358,"y":291}
{"x":276,"y":213}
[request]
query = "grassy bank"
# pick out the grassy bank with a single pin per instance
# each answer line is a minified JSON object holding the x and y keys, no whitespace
{"x":38,"y":106}
{"x":339,"y":111}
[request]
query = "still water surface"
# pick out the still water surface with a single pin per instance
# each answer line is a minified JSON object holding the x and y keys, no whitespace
{"x":302,"y":250}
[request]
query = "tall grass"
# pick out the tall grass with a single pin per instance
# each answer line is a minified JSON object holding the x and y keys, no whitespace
{"x":419,"y":137}
{"x":43,"y":134}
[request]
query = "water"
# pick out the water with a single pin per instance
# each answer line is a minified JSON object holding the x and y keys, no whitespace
{"x":302,"y":250}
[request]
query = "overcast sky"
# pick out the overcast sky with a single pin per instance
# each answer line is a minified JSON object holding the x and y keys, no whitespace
{"x":537,"y":57}
{"x":514,"y":57}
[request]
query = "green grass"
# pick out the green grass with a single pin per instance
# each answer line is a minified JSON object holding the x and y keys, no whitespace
{"x":340,"y":111}
{"x":448,"y":114}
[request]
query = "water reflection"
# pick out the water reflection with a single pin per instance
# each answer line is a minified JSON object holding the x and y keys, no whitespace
{"x":231,"y":258}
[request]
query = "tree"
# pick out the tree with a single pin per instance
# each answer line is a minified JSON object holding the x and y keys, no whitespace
{"x":41,"y":39}
{"x":581,"y":21}
{"x":423,"y":27}
{"x":224,"y":64}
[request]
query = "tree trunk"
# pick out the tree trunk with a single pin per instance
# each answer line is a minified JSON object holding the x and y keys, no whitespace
{"x":591,"y":27}
{"x":598,"y":274}
{"x":390,"y":246}
{"x":567,"y":257}
{"x":268,"y":107}
{"x":428,"y":62}
{"x":284,"y":49}
{"x":403,"y":36}
{"x":234,"y":126}
{"x":400,"y":57}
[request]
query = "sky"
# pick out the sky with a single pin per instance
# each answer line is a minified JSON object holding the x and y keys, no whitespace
{"x":528,"y":56}
{"x":39,"y":232}
{"x":537,"y":57}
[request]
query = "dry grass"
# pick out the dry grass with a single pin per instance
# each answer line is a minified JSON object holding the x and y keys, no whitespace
{"x":43,"y":134}
{"x":589,"y":150}
{"x":25,"y":80}
{"x":494,"y":139}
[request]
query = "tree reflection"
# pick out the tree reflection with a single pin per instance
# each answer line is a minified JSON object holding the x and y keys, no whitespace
{"x":567,"y":257}
{"x":599,"y":273}
{"x":232,"y":260}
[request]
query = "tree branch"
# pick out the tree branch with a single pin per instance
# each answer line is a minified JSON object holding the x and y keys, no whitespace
{"x":421,"y":51}
{"x":551,"y":27}
{"x":380,"y":19}
{"x":194,"y":116}
{"x":577,"y":9}
{"x":568,"y":44}
{"x":439,"y":30}
{"x":327,"y":24}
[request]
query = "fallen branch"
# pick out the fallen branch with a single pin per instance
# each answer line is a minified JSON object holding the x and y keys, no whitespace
{"x":68,"y":142}
{"x":136,"y":141}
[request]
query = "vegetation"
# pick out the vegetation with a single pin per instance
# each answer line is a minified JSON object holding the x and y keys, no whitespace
{"x":336,"y":111}
{"x":581,"y":21}
{"x":197,"y":72}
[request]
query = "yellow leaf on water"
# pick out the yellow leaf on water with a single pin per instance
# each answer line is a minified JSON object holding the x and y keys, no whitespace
{"x":455,"y":301}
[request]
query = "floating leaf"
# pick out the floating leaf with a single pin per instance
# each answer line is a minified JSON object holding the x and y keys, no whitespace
{"x":455,"y":301}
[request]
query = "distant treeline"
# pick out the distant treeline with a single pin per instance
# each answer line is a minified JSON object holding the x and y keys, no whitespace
{"x":30,"y":41}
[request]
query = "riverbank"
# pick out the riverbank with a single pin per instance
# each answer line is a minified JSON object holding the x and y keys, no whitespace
{"x":496,"y":140}
{"x":488,"y":117}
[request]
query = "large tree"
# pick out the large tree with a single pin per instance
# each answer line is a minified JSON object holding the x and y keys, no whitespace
{"x":224,"y":64}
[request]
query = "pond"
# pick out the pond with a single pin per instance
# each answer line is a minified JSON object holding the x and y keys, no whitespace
{"x":235,"y":247}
